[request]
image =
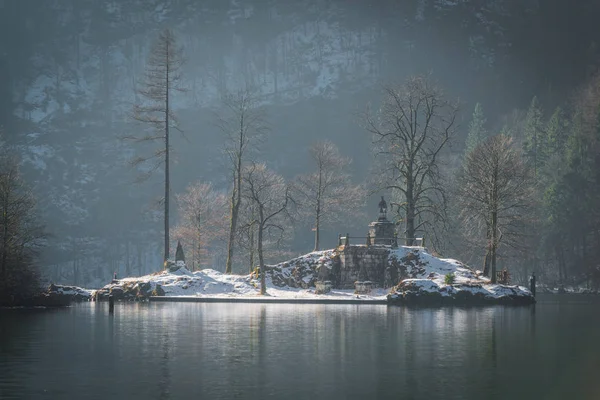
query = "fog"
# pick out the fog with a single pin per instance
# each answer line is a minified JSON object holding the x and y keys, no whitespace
{"x":69,"y":72}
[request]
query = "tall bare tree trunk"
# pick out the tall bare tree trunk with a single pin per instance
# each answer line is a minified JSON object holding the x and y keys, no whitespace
{"x":236,"y":196}
{"x":252,"y":249}
{"x":161,"y":78}
{"x":128,"y":261}
{"x":139,"y":258}
{"x":230,"y":245}
{"x":167,"y":182}
{"x":5,"y":231}
{"x":486,"y":259}
{"x":317,"y":229}
{"x":410,"y":209}
{"x":261,"y":260}
{"x":236,"y":199}
{"x":243,"y":124}
{"x":494,"y":245}
{"x":75,"y":270}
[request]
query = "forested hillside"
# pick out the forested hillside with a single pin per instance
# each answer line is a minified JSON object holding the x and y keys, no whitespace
{"x":71,"y":70}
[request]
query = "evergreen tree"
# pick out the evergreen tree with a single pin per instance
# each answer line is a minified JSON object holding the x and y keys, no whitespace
{"x":555,"y":135}
{"x":534,"y":128}
{"x":477,"y":132}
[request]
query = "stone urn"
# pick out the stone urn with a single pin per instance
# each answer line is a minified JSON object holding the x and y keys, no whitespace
{"x":363,"y":287}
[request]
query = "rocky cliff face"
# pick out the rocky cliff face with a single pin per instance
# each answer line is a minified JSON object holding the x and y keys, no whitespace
{"x":70,"y":83}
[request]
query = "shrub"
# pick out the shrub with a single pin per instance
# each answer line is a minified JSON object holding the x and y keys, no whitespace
{"x":449,"y":278}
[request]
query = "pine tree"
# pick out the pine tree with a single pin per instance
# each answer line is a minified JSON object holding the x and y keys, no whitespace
{"x":554,"y":137}
{"x":477,"y":132}
{"x":534,"y":128}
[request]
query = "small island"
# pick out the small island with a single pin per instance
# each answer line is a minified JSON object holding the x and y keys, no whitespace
{"x":423,"y":281}
{"x":377,"y":270}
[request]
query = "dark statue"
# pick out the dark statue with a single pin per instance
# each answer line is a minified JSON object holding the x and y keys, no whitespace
{"x":382,"y":206}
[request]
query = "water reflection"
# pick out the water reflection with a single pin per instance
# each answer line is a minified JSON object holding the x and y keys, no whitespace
{"x":217,"y":351}
{"x":164,"y":384}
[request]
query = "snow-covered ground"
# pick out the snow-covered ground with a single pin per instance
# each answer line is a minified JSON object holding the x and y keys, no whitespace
{"x":428,"y":277}
{"x":214,"y":284}
{"x":422,"y":274}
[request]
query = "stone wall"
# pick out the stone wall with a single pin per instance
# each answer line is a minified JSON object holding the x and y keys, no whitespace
{"x":343,"y":266}
{"x":363,"y":263}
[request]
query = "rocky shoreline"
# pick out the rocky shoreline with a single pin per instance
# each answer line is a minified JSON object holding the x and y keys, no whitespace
{"x":423,"y":280}
{"x":421,"y":292}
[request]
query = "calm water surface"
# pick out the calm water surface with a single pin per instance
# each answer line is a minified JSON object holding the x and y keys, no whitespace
{"x":247,"y":351}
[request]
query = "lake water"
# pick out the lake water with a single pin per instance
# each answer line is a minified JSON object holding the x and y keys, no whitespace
{"x":253,"y":351}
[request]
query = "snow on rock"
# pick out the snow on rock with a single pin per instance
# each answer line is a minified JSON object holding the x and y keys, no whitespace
{"x":425,"y":282}
{"x":69,"y":293}
{"x":291,"y":279}
{"x":422,"y":280}
{"x":181,"y":282}
{"x":301,"y":272}
{"x":416,"y":262}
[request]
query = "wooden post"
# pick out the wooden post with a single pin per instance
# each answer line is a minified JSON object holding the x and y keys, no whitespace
{"x":111,"y":304}
{"x":347,"y":239}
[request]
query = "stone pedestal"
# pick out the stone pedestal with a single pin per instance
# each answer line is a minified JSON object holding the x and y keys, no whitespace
{"x":322,"y":287}
{"x":382,"y":232}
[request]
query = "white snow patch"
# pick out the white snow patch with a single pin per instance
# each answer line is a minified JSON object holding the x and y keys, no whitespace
{"x":429,"y":275}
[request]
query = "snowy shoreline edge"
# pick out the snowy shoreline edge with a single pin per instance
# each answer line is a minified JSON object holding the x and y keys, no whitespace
{"x":422,"y":280}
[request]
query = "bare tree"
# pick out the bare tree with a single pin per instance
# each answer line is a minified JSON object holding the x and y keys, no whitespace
{"x":246,"y":236}
{"x":154,"y":108}
{"x":271,"y":197}
{"x":327,"y":194}
{"x":242,"y":121}
{"x":203,"y":215}
{"x":410,"y":130}
{"x":495,"y":193}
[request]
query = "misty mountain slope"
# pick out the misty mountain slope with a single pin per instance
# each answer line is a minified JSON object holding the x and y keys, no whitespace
{"x":72,"y":78}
